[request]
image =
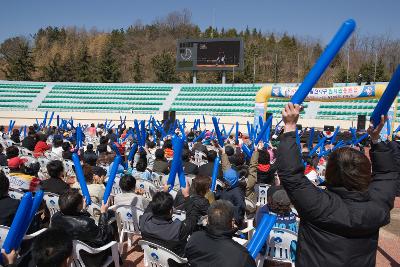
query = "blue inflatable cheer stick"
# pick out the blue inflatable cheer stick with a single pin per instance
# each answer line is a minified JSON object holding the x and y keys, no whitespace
{"x":260,"y":236}
{"x":323,"y":62}
{"x":81,"y":178}
{"x":215,"y":174}
{"x":237,"y":134}
{"x":19,"y":219}
{"x":111,"y":178}
{"x":218,"y":132}
{"x":383,"y":106}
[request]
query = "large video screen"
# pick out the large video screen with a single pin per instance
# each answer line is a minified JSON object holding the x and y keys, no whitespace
{"x":210,"y":54}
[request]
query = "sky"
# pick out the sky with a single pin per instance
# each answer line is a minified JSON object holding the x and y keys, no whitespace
{"x":309,"y":18}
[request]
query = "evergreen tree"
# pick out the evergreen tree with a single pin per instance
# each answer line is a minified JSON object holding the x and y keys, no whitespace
{"x":137,"y":69}
{"x":380,"y":75}
{"x":164,"y":68}
{"x":83,"y":66}
{"x":109,"y":69}
{"x":341,"y":76}
{"x":53,"y":71}
{"x":68,"y":69}
{"x":18,"y":59}
{"x":367,"y":72}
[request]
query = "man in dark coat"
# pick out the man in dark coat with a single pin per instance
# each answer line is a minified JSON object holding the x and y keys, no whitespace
{"x":29,"y":142}
{"x":188,"y":167}
{"x":215,"y":246}
{"x":339,"y":226}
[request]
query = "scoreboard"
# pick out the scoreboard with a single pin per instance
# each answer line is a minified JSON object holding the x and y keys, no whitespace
{"x":209,"y":54}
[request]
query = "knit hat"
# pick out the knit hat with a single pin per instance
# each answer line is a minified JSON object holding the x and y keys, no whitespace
{"x":231,"y":177}
{"x":280,"y":197}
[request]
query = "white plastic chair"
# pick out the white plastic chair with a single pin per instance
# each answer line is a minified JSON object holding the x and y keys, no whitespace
{"x":25,"y":152}
{"x":199,"y":158}
{"x":261,"y":192}
{"x":94,"y":211}
{"x":179,"y":215}
{"x":15,"y":194}
{"x":128,"y":223}
{"x":68,"y":164}
{"x":4,"y":231}
{"x":148,"y":188}
{"x":278,"y":246}
{"x":157,"y":178}
{"x":250,"y":205}
{"x":43,"y":161}
{"x":5,"y":169}
{"x":157,"y":256}
{"x":52,"y":156}
{"x":78,"y":246}
{"x":51,"y":201}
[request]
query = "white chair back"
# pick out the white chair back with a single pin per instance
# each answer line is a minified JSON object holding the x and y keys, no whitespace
{"x":15,"y":194}
{"x":78,"y":246}
{"x":148,"y":188}
{"x":261,"y":192}
{"x":157,"y":256}
{"x":179,"y":215}
{"x":94,"y":211}
{"x":4,"y":231}
{"x":51,"y":201}
{"x":5,"y":169}
{"x":43,"y":161}
{"x":279,"y":245}
{"x":128,"y":223}
{"x":25,"y":152}
{"x":199,"y":158}
{"x":157,"y":178}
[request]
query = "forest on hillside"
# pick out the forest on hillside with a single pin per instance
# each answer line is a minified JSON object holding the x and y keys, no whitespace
{"x":146,"y":53}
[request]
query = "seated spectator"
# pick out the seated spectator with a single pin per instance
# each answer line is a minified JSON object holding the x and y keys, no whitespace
{"x":169,"y":153}
{"x":198,"y":146}
{"x":215,"y":246}
{"x":41,"y":146}
{"x":188,"y":167}
{"x":53,"y":247}
{"x":340,"y":224}
{"x":14,"y":161}
{"x":3,"y":158}
{"x":111,"y":136}
{"x":66,"y":154}
{"x":90,"y":157}
{"x":198,"y":200}
{"x":96,"y":190}
{"x":55,"y":183}
{"x":80,"y":226}
{"x":92,"y":130}
{"x":8,"y":205}
{"x":57,"y":146}
{"x":29,"y":142}
{"x":157,"y":226}
{"x":265,"y":170}
{"x":130,"y":195}
{"x":207,"y":169}
{"x":15,"y":136}
{"x":103,"y":147}
{"x":278,"y":203}
{"x":26,"y":177}
{"x":160,"y":163}
{"x":233,"y":193}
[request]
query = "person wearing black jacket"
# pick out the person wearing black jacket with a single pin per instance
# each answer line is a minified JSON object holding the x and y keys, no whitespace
{"x":55,"y":184}
{"x":188,"y":167}
{"x":207,"y":169}
{"x":29,"y":142}
{"x":339,"y":226}
{"x":215,"y":246}
{"x":156,"y":224}
{"x":8,"y":205}
{"x":395,"y":145}
{"x":80,"y":226}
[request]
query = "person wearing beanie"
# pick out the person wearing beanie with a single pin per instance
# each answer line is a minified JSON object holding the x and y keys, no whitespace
{"x":234,"y":194}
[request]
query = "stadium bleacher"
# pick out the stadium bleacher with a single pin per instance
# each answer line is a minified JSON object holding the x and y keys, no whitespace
{"x":15,"y":95}
{"x":106,"y":97}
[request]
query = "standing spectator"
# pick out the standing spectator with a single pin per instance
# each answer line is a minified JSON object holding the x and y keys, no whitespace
{"x":215,"y":246}
{"x":92,"y":130}
{"x":339,"y":225}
